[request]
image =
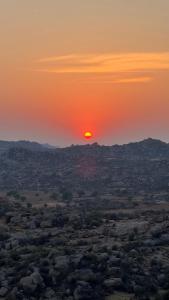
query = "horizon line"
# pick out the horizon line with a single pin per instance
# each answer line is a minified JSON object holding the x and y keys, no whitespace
{"x":84,"y":144}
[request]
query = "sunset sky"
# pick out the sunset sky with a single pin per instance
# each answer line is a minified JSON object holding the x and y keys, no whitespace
{"x":69,"y":66}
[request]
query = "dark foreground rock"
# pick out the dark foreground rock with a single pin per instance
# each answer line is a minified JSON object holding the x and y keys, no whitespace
{"x":84,"y":252}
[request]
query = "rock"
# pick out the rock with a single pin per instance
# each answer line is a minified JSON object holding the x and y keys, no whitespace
{"x":27,"y":284}
{"x":61,"y":262}
{"x":85,"y":275}
{"x":14,"y":243}
{"x":114,"y":261}
{"x":32,"y":225}
{"x":46,"y":224}
{"x":161,"y":279}
{"x":30,"y":283}
{"x":164,"y":239}
{"x":113,"y":284}
{"x":139,"y":290}
{"x":102,"y":257}
{"x":133,"y":253}
{"x":83,"y":291}
{"x":113,"y":271}
{"x":49,"y":293}
{"x":7,"y":245}
{"x":14,"y":294}
{"x":149,"y":242}
{"x":22,"y":239}
{"x":3,"y":291}
{"x":37,"y":278}
{"x":75,"y":260}
{"x":4,"y":283}
{"x":2,"y":276}
{"x":61,"y":266}
{"x":4,"y":233}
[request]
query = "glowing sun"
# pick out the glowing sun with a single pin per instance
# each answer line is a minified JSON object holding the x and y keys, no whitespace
{"x":88,"y":135}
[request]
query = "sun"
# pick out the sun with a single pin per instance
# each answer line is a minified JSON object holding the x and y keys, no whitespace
{"x":88,"y":135}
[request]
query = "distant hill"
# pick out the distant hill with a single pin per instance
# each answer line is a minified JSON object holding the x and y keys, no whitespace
{"x":148,"y":148}
{"x":141,"y":166}
{"x":34,"y":146}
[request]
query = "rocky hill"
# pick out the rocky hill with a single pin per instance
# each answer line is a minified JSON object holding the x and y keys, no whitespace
{"x":140,"y":166}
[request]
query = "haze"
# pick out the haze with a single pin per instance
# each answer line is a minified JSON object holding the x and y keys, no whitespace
{"x":73,"y":66}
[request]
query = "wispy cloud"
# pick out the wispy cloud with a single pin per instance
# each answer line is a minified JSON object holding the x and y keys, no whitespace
{"x":133,"y":80}
{"x":57,"y":58}
{"x":105,"y":64}
{"x":123,"y":78}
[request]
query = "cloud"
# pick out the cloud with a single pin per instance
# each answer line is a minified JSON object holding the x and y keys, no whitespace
{"x":133,"y":80}
{"x":115,"y":79}
{"x":104,"y":63}
{"x":57,"y":58}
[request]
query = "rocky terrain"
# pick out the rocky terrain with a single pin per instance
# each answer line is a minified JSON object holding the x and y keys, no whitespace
{"x":136,"y":167}
{"x":85,"y":222}
{"x":83,"y":248}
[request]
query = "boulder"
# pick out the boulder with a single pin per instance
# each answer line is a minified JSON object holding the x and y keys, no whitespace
{"x":102,"y":257}
{"x":3,"y":291}
{"x":113,"y":284}
{"x":83,"y":291}
{"x":32,"y":282}
{"x":113,"y":271}
{"x":75,"y":260}
{"x":114,"y":261}
{"x":85,"y":275}
{"x":49,"y":293}
{"x":13,"y":295}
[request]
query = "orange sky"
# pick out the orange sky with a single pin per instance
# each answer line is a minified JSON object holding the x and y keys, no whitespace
{"x":73,"y":66}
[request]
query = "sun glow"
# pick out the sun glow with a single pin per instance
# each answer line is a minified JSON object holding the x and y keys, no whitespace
{"x":88,"y":135}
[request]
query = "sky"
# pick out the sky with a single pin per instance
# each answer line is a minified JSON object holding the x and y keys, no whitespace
{"x":70,"y":66}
